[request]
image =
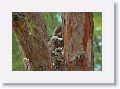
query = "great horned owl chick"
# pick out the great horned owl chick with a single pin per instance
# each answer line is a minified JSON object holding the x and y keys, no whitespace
{"x":58,"y":32}
{"x":54,"y":39}
{"x":58,"y":51}
{"x":53,"y":43}
{"x":60,"y":42}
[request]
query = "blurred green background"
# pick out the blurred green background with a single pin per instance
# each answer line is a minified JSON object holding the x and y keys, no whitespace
{"x":53,"y":20}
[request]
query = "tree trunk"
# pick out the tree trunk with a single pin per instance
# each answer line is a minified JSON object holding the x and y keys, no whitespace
{"x":30,"y":31}
{"x":78,"y":41}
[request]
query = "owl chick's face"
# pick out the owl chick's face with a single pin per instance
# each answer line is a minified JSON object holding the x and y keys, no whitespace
{"x":54,"y":39}
{"x":60,"y":41}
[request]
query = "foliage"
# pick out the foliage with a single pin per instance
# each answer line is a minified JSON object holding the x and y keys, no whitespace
{"x":17,"y":63}
{"x":97,"y":40}
{"x":53,"y":20}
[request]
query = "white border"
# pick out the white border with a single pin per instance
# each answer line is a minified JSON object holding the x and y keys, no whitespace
{"x":104,"y":76}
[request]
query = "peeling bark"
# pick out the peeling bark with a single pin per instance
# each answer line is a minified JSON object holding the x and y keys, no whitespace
{"x":78,"y":40}
{"x":32,"y":37}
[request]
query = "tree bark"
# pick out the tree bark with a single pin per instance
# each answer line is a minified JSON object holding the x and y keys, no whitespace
{"x":78,"y":41}
{"x":30,"y":31}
